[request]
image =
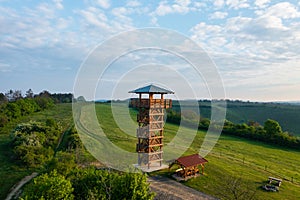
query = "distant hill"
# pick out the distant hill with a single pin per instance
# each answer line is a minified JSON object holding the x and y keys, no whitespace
{"x":287,"y":114}
{"x":289,"y":102}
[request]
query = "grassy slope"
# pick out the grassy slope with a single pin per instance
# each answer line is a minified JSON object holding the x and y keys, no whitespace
{"x":231,"y":156}
{"x":254,"y":162}
{"x":10,"y":171}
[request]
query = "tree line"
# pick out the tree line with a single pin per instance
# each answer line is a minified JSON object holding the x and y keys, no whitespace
{"x":271,"y":132}
{"x":14,"y":104}
{"x":14,"y":95}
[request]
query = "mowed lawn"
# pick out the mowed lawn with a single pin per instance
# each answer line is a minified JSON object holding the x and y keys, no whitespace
{"x":251,"y":161}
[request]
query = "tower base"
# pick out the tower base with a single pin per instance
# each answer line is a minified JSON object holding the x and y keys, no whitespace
{"x":152,"y":168}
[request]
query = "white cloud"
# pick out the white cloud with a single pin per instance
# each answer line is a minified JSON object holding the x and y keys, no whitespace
{"x":45,"y":9}
{"x":219,"y":3}
{"x":95,"y":17}
{"x":121,"y":14}
{"x":104,"y":3}
{"x":58,"y":4}
{"x":133,"y":3}
{"x":218,"y":15}
{"x":284,"y":10}
{"x":269,"y":22}
{"x":180,"y":6}
{"x":265,"y":37}
{"x":262,"y":3}
{"x":199,"y":4}
{"x":210,"y":37}
{"x":203,"y":30}
{"x":62,"y":23}
{"x":183,"y":3}
{"x":237,"y":4}
{"x":5,"y":67}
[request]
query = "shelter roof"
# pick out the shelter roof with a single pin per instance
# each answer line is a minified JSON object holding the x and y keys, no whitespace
{"x":191,"y":160}
{"x":152,"y":89}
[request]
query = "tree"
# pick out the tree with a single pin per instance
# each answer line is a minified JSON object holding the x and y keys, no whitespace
{"x":204,"y":123}
{"x":9,"y":95}
{"x":63,"y":162}
{"x":81,"y":99}
{"x":3,"y":120}
{"x":234,"y":188}
{"x":272,"y":127}
{"x":45,"y":93}
{"x":51,"y":123}
{"x":44,"y":102}
{"x":13,"y":110}
{"x":33,"y":143}
{"x":17,"y":95}
{"x":132,"y":186}
{"x":27,"y":106}
{"x":106,"y":184}
{"x":29,"y":93}
{"x":3,"y":98}
{"x":14,"y":95}
{"x":53,"y":186}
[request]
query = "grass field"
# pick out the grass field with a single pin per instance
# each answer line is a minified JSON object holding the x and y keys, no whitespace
{"x":10,"y":171}
{"x":253,"y":161}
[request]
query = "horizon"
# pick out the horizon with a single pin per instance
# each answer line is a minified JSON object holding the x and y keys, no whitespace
{"x":187,"y":99}
{"x":254,"y":46}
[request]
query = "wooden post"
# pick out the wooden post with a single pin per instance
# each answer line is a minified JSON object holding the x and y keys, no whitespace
{"x":150,"y":96}
{"x":202,"y":169}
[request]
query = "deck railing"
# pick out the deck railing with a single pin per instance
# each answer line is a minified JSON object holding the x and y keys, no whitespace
{"x":153,"y":103}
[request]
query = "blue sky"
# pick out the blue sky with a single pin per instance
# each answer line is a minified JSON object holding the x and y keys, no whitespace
{"x":254,"y":44}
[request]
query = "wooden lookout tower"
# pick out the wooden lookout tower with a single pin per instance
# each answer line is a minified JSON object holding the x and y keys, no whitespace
{"x":150,"y":124}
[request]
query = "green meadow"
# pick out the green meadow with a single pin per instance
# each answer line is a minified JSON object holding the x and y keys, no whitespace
{"x":252,"y":162}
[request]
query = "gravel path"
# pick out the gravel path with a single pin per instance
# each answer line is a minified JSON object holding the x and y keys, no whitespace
{"x":19,"y":185}
{"x":167,"y":189}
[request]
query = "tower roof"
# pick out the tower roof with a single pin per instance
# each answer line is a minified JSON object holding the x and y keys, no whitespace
{"x":152,"y":89}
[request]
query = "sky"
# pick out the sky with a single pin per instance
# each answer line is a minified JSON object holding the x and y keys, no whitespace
{"x":254,"y":45}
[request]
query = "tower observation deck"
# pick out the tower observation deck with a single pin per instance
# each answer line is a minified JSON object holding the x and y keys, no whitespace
{"x":150,"y":118}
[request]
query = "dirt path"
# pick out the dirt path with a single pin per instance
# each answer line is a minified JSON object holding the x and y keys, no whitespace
{"x":19,"y":185}
{"x":166,"y":188}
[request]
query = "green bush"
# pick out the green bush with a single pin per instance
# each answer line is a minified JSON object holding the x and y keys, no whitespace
{"x":51,"y":187}
{"x":34,"y":143}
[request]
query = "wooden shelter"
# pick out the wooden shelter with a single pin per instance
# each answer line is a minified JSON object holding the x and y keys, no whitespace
{"x":151,"y":123}
{"x":189,"y":165}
